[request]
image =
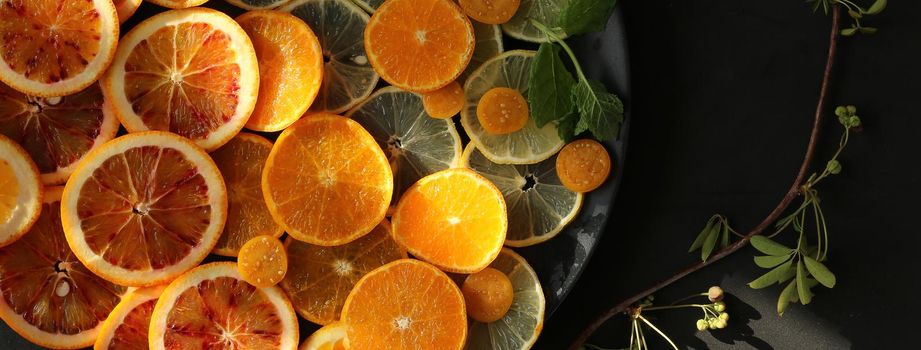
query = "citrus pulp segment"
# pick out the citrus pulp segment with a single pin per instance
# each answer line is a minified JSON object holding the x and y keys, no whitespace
{"x":406,"y":304}
{"x":330,"y":337}
{"x":144,"y":208}
{"x":526,"y":146}
{"x":56,"y":48}
{"x":488,"y":45}
{"x":415,"y":144}
{"x":263,"y":261}
{"x":290,"y":67}
{"x":192,"y":72}
{"x":178,"y":4}
{"x":454,"y":219}
{"x":257,"y":4}
{"x":320,"y":277}
{"x":583,"y":165}
{"x":419,"y":45}
{"x":545,"y":11}
{"x":348,"y":77}
{"x":127,"y":324}
{"x":241,"y":162}
{"x":490,"y":11}
{"x":538,"y":204}
{"x":521,"y":325}
{"x":126,"y":9}
{"x":20,"y":192}
{"x":445,"y":102}
{"x":77,"y":124}
{"x":326,"y":181}
{"x":46,"y":294}
{"x":211,"y":307}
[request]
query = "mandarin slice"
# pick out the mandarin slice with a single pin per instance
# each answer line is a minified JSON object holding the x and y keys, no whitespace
{"x":263,"y":261}
{"x":583,"y":165}
{"x":20,"y":192}
{"x":127,"y":324}
{"x":445,"y":102}
{"x":490,"y":11}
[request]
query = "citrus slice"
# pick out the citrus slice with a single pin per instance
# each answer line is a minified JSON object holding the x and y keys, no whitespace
{"x":454,"y":219}
{"x":488,"y":295}
{"x":490,"y":11}
{"x":127,"y":325}
{"x":290,"y":67}
{"x":57,"y":131}
{"x":526,"y":146}
{"x":241,"y":162}
{"x":406,"y":304}
{"x":192,"y":72}
{"x":56,"y":48}
{"x":583,"y":165}
{"x":178,"y":4}
{"x":326,"y":181}
{"x":416,"y":144}
{"x":445,"y":102}
{"x":257,"y":4}
{"x":348,"y":77}
{"x":545,"y":11}
{"x":331,"y":337}
{"x":320,"y":278}
{"x":519,"y":328}
{"x":144,"y":208}
{"x":419,"y":45}
{"x":538,"y":204}
{"x":211,"y":307}
{"x":263,"y":261}
{"x":46,"y":294}
{"x":502,"y":111}
{"x":369,"y":5}
{"x":488,"y":45}
{"x":126,"y":9}
{"x":20,"y":192}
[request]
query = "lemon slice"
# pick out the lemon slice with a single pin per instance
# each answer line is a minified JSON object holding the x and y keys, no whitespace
{"x":257,"y":4}
{"x":526,"y":146}
{"x":488,"y":45}
{"x":369,"y":5}
{"x":544,"y":11}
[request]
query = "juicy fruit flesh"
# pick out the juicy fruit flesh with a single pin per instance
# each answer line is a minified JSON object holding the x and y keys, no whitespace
{"x":502,"y":111}
{"x":263,"y":261}
{"x":9,"y":191}
{"x":30,"y":30}
{"x":488,"y":295}
{"x":583,"y":165}
{"x":145,"y":208}
{"x":132,"y":332}
{"x":445,"y":102}
{"x":490,"y":11}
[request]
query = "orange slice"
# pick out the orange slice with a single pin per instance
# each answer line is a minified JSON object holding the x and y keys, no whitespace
{"x":419,"y":45}
{"x":56,"y":48}
{"x":454,"y":219}
{"x":319,"y":278}
{"x":488,"y":295}
{"x":144,"y":208}
{"x":583,"y":165}
{"x":20,"y":192}
{"x":263,"y":261}
{"x":502,"y":111}
{"x":126,"y":327}
{"x":327,"y":182}
{"x":290,"y":67}
{"x":406,"y":304}
{"x":178,"y":4}
{"x":57,"y":131}
{"x":241,"y":161}
{"x":445,"y":102}
{"x":126,"y":9}
{"x":46,"y":294}
{"x":257,"y":4}
{"x":192,"y":72}
{"x":490,"y":11}
{"x":211,"y":307}
{"x":331,"y":337}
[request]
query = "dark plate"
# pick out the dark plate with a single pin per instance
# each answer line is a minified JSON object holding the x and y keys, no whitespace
{"x":559,"y":262}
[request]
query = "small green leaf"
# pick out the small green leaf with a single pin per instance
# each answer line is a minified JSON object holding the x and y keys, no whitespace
{"x":550,"y":86}
{"x":584,"y":16}
{"x":877,"y":7}
{"x":786,"y":297}
{"x":848,"y":31}
{"x":820,"y":272}
{"x":805,"y":296}
{"x":772,"y":276}
{"x":710,"y":242}
{"x":854,"y":14}
{"x":787,"y":275}
{"x":769,"y":247}
{"x":601,"y":112}
{"x":566,"y":127}
{"x":725,"y":239}
{"x":699,"y":241}
{"x":770,"y":261}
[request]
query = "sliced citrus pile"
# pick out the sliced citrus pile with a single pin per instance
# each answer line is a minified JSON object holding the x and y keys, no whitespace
{"x":490,"y":11}
{"x":488,"y":45}
{"x":347,"y":75}
{"x":330,"y":337}
{"x":538,"y":204}
{"x":46,"y":294}
{"x":454,"y":219}
{"x":290,"y":67}
{"x":192,"y":72}
{"x":20,"y":192}
{"x":519,"y":328}
{"x":127,"y":325}
{"x":545,"y":11}
{"x":320,"y":278}
{"x":416,"y":144}
{"x":126,"y":9}
{"x":406,"y":304}
{"x":258,"y":4}
{"x":241,"y":162}
{"x":56,"y":48}
{"x":419,"y":45}
{"x":263,"y":261}
{"x":211,"y":307}
{"x":327,"y":182}
{"x":77,"y":124}
{"x":525,"y":146}
{"x":583,"y":165}
{"x":445,"y":102}
{"x":178,"y":4}
{"x":144,"y":208}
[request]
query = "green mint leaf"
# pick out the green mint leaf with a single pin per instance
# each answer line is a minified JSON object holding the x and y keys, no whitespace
{"x":584,"y":16}
{"x":786,"y":297}
{"x":805,"y":296}
{"x":820,"y":272}
{"x":566,"y":127}
{"x":710,"y":242}
{"x":601,"y":112}
{"x":769,"y":247}
{"x":699,"y":241}
{"x":772,"y":276}
{"x":770,"y":261}
{"x":550,"y":86}
{"x":877,"y":7}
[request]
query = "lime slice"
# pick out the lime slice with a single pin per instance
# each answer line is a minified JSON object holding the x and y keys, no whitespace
{"x":347,"y":75}
{"x":488,"y":45}
{"x":257,"y":4}
{"x":544,"y":11}
{"x":416,"y":144}
{"x":369,"y":5}
{"x":526,"y":146}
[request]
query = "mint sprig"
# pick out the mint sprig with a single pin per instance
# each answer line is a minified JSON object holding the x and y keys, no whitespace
{"x":585,"y":16}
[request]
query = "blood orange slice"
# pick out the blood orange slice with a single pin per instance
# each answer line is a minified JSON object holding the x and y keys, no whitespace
{"x":126,"y":327}
{"x":126,"y":9}
{"x":178,"y":4}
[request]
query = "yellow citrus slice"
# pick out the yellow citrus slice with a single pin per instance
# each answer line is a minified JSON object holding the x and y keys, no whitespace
{"x":56,"y":48}
{"x":538,"y":204}
{"x":257,"y":4}
{"x":46,"y":294}
{"x":406,"y":304}
{"x":241,"y":162}
{"x":144,"y":208}
{"x":20,"y":192}
{"x":546,"y":11}
{"x":528,"y":145}
{"x":415,"y":144}
{"x":77,"y":123}
{"x":488,"y":45}
{"x":326,"y":181}
{"x":211,"y":307}
{"x":192,"y":72}
{"x":330,"y":337}
{"x":348,"y":77}
{"x":263,"y":261}
{"x":519,"y":328}
{"x":290,"y":67}
{"x":126,"y":9}
{"x":583,"y":165}
{"x":126,"y":327}
{"x":178,"y":4}
{"x":454,"y":219}
{"x":319,"y":278}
